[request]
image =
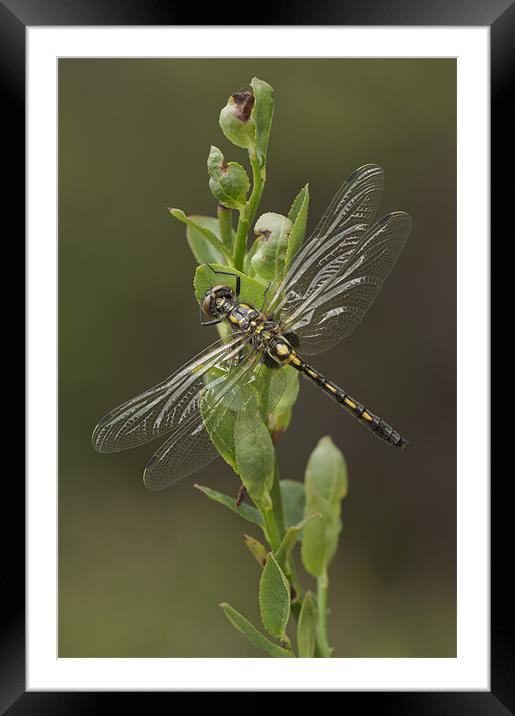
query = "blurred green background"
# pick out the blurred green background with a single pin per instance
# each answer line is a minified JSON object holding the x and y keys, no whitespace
{"x":141,"y":573}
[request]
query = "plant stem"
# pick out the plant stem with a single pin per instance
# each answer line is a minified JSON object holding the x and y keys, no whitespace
{"x":249,"y":210}
{"x":258,"y":184}
{"x":225,"y":221}
{"x":271,"y":527}
{"x":273,"y":513}
{"x":322,"y":594}
{"x":277,"y":501}
{"x":277,"y":508}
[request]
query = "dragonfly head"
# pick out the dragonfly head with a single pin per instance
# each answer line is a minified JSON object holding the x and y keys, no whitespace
{"x":216,"y":300}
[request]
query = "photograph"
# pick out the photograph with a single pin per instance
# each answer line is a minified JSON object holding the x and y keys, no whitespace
{"x":257,"y":313}
{"x":251,"y":463}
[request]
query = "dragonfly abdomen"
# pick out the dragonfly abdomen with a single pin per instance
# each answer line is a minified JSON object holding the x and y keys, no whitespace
{"x":288,"y":356}
{"x":365,"y":416}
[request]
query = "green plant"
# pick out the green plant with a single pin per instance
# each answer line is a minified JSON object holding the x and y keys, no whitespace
{"x":286,"y":511}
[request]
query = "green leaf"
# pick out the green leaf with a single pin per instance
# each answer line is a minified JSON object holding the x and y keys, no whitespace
{"x":297,"y":204}
{"x":262,"y":114}
{"x":252,"y":291}
{"x":280,"y":416}
{"x":274,"y":598}
{"x":319,"y":545}
{"x":221,"y":431}
{"x":292,"y":493}
{"x":248,"y":512}
{"x":292,"y":533}
{"x":269,"y":259}
{"x":307,"y":627}
{"x":202,"y":249}
{"x":222,"y":437}
{"x":298,"y":215}
{"x":225,"y":231}
{"x":326,"y":474}
{"x":228,"y":181}
{"x":203,"y":228}
{"x":326,"y":484}
{"x":253,"y":635}
{"x":270,"y":386}
{"x":243,"y":420}
{"x":255,"y":456}
{"x":256,"y":549}
{"x":224,"y":329}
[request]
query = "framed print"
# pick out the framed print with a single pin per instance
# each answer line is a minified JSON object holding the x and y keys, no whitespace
{"x":180,"y":212}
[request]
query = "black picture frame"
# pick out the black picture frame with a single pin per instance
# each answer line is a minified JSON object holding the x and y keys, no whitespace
{"x":15,"y":17}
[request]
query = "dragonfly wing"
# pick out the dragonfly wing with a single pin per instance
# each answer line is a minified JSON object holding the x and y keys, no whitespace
{"x":166,"y":406}
{"x":179,"y":457}
{"x":211,"y":428}
{"x":331,"y":309}
{"x":340,"y":230}
{"x":355,"y":203}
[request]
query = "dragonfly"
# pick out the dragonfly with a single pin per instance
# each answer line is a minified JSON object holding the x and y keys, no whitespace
{"x":323,"y":295}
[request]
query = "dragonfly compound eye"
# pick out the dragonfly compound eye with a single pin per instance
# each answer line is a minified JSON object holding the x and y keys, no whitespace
{"x":216,"y":299}
{"x":206,"y":304}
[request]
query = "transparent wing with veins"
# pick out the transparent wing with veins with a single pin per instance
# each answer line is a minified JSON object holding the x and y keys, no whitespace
{"x":166,"y":406}
{"x":335,"y":277}
{"x":331,"y":310}
{"x":340,"y":230}
{"x":215,"y":423}
{"x":192,"y":408}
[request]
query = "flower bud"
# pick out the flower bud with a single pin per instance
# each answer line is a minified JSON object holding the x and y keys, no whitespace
{"x":272,"y":231}
{"x":228,"y":182}
{"x":236,"y":121}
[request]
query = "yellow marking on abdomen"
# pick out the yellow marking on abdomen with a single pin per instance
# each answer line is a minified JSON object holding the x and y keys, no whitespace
{"x":233,"y":319}
{"x":312,"y":373}
{"x":350,"y":403}
{"x":331,"y":388}
{"x":292,"y":358}
{"x":366,"y":415}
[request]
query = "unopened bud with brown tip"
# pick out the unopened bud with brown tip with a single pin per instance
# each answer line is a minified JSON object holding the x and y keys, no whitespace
{"x":236,"y":120}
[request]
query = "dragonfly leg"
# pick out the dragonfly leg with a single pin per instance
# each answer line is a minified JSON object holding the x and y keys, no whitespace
{"x":229,"y":273}
{"x":211,"y":323}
